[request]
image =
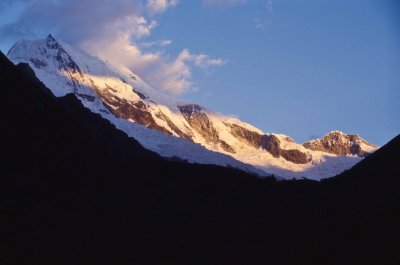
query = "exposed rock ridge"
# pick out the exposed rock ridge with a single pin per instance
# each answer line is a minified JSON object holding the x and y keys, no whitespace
{"x":270,"y":143}
{"x":340,"y":144}
{"x":201,"y":123}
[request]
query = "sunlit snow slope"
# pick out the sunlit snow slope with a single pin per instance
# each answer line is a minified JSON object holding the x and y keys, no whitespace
{"x":178,"y":129}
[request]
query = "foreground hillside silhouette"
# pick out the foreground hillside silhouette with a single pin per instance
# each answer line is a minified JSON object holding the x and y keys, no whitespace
{"x":74,"y":190}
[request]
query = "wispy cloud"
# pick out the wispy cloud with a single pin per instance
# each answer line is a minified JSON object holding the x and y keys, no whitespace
{"x":270,"y":5}
{"x":159,"y":6}
{"x":223,"y":2}
{"x":115,"y":30}
{"x":204,"y":61}
{"x":259,"y":24}
{"x":159,"y":43}
{"x":5,"y":4}
{"x":262,"y":19}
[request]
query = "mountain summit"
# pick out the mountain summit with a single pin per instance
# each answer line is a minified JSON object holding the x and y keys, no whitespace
{"x":341,"y":144}
{"x":179,"y":129}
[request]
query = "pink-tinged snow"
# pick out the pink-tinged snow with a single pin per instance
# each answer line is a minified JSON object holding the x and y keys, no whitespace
{"x":126,"y":84}
{"x":174,"y":147}
{"x":322,"y":165}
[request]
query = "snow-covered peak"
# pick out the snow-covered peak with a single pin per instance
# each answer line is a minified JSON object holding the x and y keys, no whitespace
{"x":339,"y":143}
{"x":176,"y":128}
{"x":43,"y":52}
{"x":52,"y":42}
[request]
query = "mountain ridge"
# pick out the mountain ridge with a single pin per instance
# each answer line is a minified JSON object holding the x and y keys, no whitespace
{"x":122,"y":97}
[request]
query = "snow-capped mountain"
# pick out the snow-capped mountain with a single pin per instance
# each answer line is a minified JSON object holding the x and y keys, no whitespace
{"x":179,"y":129}
{"x":341,"y":144}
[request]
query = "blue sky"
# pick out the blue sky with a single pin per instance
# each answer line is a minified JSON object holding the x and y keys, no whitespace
{"x":301,"y":68}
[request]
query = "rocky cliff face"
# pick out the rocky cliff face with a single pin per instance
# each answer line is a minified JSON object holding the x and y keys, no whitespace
{"x":341,"y":144}
{"x":122,"y":97}
{"x":269,"y":143}
{"x":201,"y":123}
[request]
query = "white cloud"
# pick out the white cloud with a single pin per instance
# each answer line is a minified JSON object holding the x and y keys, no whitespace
{"x":160,"y":43}
{"x":223,"y":2}
{"x":171,"y":76}
{"x":181,"y":73}
{"x":176,"y":75}
{"x":204,"y":61}
{"x":119,"y":36}
{"x":159,"y":6}
{"x":165,"y":43}
{"x":121,"y":50}
{"x":136,"y":26}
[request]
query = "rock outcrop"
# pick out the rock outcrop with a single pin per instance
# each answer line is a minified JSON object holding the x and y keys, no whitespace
{"x":341,"y":144}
